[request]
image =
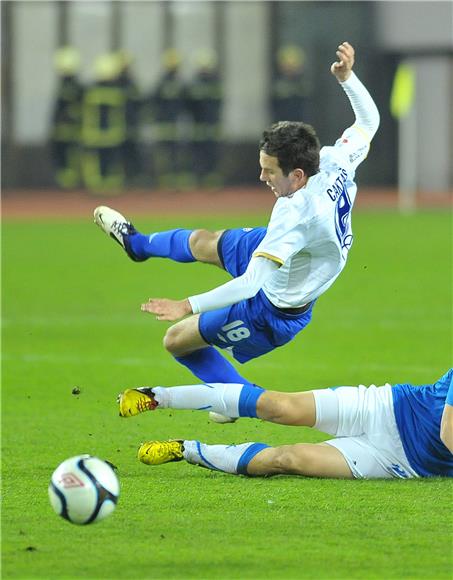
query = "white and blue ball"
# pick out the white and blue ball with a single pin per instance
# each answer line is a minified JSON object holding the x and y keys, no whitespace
{"x":84,"y":489}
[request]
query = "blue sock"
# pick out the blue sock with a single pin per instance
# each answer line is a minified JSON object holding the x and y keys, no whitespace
{"x":173,"y":244}
{"x":248,"y":399}
{"x":227,"y":458}
{"x":211,"y":367}
{"x":248,"y":455}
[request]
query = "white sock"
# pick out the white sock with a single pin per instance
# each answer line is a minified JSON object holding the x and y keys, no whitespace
{"x":219,"y":457}
{"x":218,"y":397}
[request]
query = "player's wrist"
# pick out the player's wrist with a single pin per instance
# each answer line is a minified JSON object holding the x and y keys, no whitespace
{"x":193,"y":305}
{"x":345,"y":77}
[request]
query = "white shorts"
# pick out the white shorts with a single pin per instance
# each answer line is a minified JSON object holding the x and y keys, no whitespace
{"x":363,"y":422}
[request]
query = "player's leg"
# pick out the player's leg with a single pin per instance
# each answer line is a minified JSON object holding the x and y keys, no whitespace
{"x":311,"y":460}
{"x":298,"y":409}
{"x":184,"y":341}
{"x":230,"y":399}
{"x":254,"y":459}
{"x":180,"y":245}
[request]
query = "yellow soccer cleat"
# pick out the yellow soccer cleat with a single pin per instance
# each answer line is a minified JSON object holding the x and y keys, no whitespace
{"x":159,"y":452}
{"x":135,"y":401}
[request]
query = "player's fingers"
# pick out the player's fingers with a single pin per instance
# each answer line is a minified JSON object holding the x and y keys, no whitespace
{"x":345,"y":50}
{"x":149,"y":307}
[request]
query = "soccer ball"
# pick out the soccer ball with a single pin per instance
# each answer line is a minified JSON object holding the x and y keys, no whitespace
{"x":84,"y":489}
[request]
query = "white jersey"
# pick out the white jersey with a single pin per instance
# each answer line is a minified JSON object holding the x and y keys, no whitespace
{"x":310,"y":233}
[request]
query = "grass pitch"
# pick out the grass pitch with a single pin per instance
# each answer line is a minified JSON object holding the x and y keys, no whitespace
{"x":71,"y":305}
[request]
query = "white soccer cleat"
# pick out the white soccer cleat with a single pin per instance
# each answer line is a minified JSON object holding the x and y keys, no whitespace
{"x":117,"y":227}
{"x":218,"y":418}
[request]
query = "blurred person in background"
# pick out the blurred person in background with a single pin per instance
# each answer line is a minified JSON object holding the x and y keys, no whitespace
{"x":104,"y":127}
{"x":168,"y":104}
{"x":278,"y":271}
{"x":131,"y":152}
{"x":66,"y":119}
{"x":204,"y":94}
{"x":290,"y":89}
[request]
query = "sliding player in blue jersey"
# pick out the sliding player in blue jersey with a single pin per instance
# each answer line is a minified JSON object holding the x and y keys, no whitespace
{"x":391,"y":431}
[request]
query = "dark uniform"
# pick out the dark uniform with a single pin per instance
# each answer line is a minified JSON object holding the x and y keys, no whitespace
{"x":131,"y":152}
{"x":205,"y":105}
{"x":66,"y":120}
{"x":290,"y":90}
{"x":104,"y":129}
{"x":168,"y":104}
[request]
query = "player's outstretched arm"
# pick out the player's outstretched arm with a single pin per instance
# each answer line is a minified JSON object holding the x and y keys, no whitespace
{"x":240,"y":288}
{"x":366,"y":113}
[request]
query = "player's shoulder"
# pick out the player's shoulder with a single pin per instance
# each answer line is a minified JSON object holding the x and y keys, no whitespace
{"x":331,"y":157}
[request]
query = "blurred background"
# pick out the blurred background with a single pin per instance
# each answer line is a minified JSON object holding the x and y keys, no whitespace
{"x":105,"y":97}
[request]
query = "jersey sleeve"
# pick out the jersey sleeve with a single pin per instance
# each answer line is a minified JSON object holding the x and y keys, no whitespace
{"x":353,"y":145}
{"x":241,"y":288}
{"x":355,"y":141}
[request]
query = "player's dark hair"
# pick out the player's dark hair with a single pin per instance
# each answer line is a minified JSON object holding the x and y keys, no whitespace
{"x":294,"y":144}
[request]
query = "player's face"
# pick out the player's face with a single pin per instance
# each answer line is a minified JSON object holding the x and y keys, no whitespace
{"x":271,"y":173}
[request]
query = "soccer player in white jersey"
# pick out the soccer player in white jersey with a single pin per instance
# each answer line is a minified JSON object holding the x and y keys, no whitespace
{"x":391,"y":431}
{"x":279,"y":271}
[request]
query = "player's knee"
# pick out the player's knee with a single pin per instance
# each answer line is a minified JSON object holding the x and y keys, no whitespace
{"x":295,"y":459}
{"x":273,"y":406}
{"x":285,"y":461}
{"x":172,"y":341}
{"x":203,"y":245}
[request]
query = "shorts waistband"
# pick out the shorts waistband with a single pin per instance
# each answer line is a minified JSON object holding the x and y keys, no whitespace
{"x":295,"y":311}
{"x":287,"y":312}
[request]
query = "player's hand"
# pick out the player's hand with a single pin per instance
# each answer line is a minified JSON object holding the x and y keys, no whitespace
{"x":343,"y":66}
{"x":165,"y":309}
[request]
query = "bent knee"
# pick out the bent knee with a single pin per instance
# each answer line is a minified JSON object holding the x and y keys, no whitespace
{"x":184,"y":337}
{"x":172,"y":341}
{"x":203,"y":245}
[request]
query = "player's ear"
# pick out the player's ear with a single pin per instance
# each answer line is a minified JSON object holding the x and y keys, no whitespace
{"x":299,"y":175}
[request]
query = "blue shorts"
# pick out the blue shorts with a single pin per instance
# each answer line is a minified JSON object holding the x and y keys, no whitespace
{"x":251,"y":327}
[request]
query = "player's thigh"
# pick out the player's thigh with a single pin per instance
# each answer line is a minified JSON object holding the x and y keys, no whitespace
{"x":287,"y":408}
{"x":184,"y":337}
{"x":341,"y":411}
{"x":308,"y":459}
{"x":383,"y":458}
{"x":204,"y":246}
{"x":352,"y":411}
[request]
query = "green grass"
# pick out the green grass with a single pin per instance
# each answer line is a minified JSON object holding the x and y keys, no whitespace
{"x":72,"y":318}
